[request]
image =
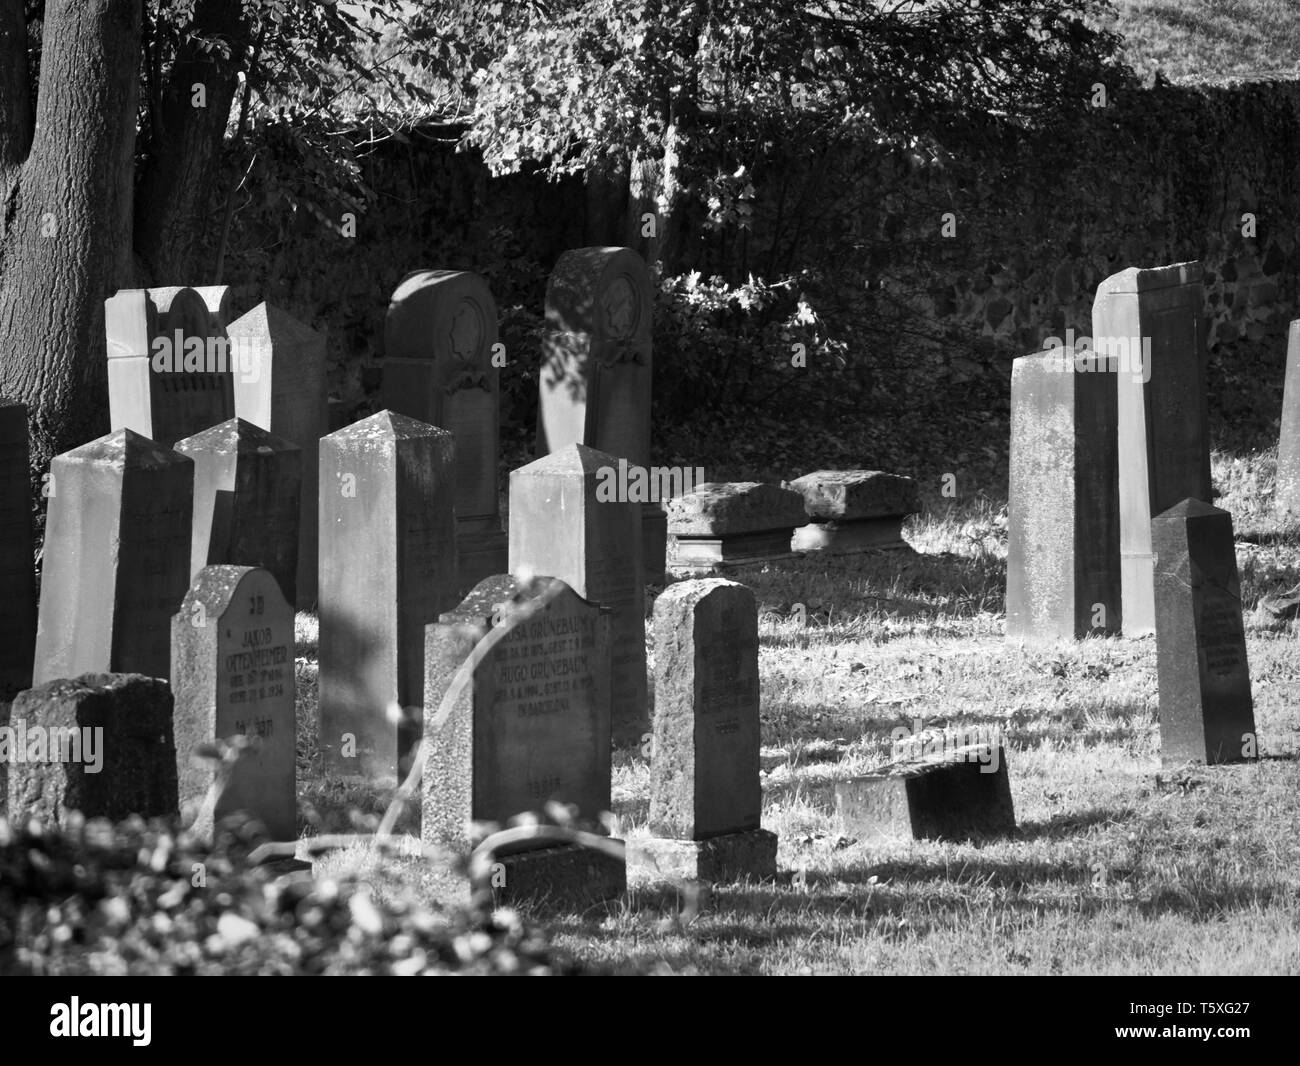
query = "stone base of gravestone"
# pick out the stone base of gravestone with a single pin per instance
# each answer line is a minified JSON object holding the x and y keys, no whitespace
{"x":853,"y":510}
{"x":960,"y":794}
{"x":725,"y":859}
{"x":100,"y":744}
{"x":725,"y":524}
{"x":566,"y":877}
{"x":845,"y":538}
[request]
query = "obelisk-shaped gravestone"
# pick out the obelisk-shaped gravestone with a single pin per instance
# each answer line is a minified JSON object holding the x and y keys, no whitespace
{"x":596,"y":369}
{"x":17,"y":564}
{"x":1150,"y":321}
{"x":233,"y":676}
{"x":559,"y":527}
{"x":439,"y":338}
{"x":246,"y":491}
{"x":1206,"y":713}
{"x":1063,"y":572}
{"x":387,"y":569}
{"x":116,"y":560}
{"x":280,"y":386}
{"x":1287,"y":495}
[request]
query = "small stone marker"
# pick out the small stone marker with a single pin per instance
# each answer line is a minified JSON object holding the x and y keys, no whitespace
{"x":439,"y":340}
{"x":596,"y":368}
{"x":387,"y":569}
{"x":233,"y":675}
{"x":705,"y":796}
{"x":1206,"y":713}
{"x":724,"y":524}
{"x":1063,"y":561}
{"x":1287,"y":495}
{"x":17,"y":558}
{"x":100,"y":744}
{"x":1150,"y":321}
{"x":853,"y":510}
{"x":951,"y":796}
{"x":560,"y":528}
{"x":117,"y":558}
{"x":280,"y":386}
{"x":247,"y":484}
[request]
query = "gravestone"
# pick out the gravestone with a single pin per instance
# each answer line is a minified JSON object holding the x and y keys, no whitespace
{"x":220,"y":301}
{"x":853,"y":510}
{"x":100,"y":744}
{"x":731,"y":523}
{"x":1206,"y":713}
{"x":1287,"y":496}
{"x":281,"y":386}
{"x":1063,"y":561}
{"x":233,"y":676}
{"x":17,"y":560}
{"x":247,"y":484}
{"x":169,"y":364}
{"x":596,"y":368}
{"x":559,"y":527}
{"x":116,"y":559}
{"x":531,"y":726}
{"x":387,"y":569}
{"x":439,"y":338}
{"x":705,"y":796}
{"x":1151,"y":322}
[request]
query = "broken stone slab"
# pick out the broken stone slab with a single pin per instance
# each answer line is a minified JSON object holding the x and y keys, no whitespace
{"x":729,"y":523}
{"x":725,"y":859}
{"x":853,"y":510}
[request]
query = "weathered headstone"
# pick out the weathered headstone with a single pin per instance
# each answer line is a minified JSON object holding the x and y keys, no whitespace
{"x":233,"y":676}
{"x":705,"y":796}
{"x":1206,"y":713}
{"x":100,"y":744}
{"x":439,"y":340}
{"x":169,"y":365}
{"x":116,"y":559}
{"x":559,"y":527}
{"x":531,"y":726}
{"x":1150,"y":322}
{"x":247,"y":484}
{"x":17,"y":562}
{"x":387,"y":569}
{"x":596,"y":368}
{"x":729,"y":523}
{"x":1287,"y":495}
{"x":853,"y":510}
{"x":280,"y":385}
{"x":1063,"y":562}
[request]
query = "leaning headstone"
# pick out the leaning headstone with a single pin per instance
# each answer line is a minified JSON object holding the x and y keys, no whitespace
{"x":387,"y":569}
{"x":531,"y":726}
{"x":17,"y":562}
{"x":723,"y":524}
{"x":1287,"y":495}
{"x":705,"y":796}
{"x":853,"y":510}
{"x":233,"y":676}
{"x":560,"y":528}
{"x":100,"y":744}
{"x":1063,"y":561}
{"x":247,"y":484}
{"x":116,"y":559}
{"x":1150,"y":322}
{"x":169,"y":364}
{"x":439,"y":340}
{"x":1206,"y":713}
{"x":596,"y":368}
{"x":280,"y":385}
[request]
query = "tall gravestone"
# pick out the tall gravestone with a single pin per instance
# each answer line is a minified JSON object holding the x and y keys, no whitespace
{"x":169,"y":365}
{"x":247,"y":484}
{"x":1206,"y":712}
{"x":705,"y":796}
{"x":116,"y":559}
{"x":233,"y":676}
{"x":596,"y":368}
{"x":1063,"y":561}
{"x":1287,"y":496}
{"x":1150,"y":321}
{"x":387,"y":569}
{"x":559,"y":527}
{"x":17,"y":562}
{"x":284,"y":392}
{"x":439,"y":339}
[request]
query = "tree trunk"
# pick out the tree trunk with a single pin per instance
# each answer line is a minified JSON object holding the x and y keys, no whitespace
{"x":68,"y":242}
{"x":15,"y":101}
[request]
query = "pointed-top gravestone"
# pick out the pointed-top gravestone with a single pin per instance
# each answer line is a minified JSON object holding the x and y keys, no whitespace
{"x":17,"y":564}
{"x":247,"y":484}
{"x":439,"y":340}
{"x":116,"y":559}
{"x":280,"y":386}
{"x":387,"y":569}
